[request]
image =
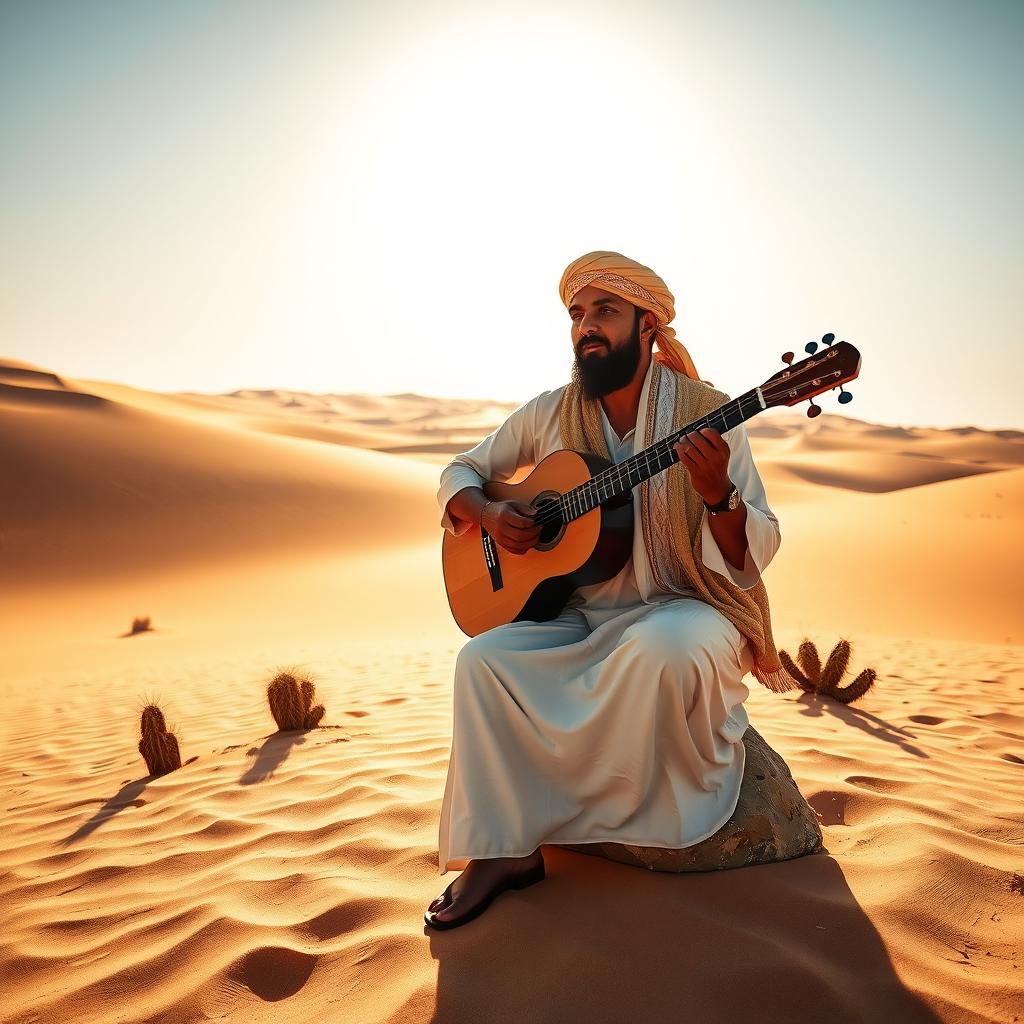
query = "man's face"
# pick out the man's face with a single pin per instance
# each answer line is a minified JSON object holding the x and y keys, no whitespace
{"x":606,"y":340}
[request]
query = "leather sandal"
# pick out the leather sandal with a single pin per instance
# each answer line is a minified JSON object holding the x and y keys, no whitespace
{"x":521,"y":881}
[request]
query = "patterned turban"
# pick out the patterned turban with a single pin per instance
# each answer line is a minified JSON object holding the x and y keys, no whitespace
{"x":632,"y":281}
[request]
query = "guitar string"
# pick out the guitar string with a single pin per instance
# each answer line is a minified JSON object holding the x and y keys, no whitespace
{"x":618,"y":476}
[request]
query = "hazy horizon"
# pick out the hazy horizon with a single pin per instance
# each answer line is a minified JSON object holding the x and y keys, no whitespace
{"x":833,"y":409}
{"x":353,"y":198}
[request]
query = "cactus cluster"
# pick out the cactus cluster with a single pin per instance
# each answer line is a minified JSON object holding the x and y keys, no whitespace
{"x":158,"y":746}
{"x":291,"y":703}
{"x":825,"y":681}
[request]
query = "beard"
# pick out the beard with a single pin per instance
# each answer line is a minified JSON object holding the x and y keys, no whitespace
{"x":599,"y":375}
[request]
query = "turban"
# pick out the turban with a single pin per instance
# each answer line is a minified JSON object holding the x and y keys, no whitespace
{"x":639,"y":285}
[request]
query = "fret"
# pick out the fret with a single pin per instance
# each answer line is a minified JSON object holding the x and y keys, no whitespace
{"x":659,"y":456}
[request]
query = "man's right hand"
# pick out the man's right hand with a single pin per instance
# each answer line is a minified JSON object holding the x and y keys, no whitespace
{"x":511,"y":524}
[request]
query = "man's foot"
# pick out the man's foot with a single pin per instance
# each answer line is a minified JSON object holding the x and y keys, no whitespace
{"x":477,"y":882}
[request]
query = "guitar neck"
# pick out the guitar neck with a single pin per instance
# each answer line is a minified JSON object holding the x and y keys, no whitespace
{"x":623,"y":477}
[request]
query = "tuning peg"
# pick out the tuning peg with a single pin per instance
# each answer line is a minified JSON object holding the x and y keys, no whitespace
{"x":811,"y":346}
{"x":827,"y":339}
{"x":844,"y":396}
{"x":787,"y":357}
{"x":814,"y":410}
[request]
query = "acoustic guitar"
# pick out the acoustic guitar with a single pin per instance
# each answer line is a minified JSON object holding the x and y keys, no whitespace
{"x":584,"y":504}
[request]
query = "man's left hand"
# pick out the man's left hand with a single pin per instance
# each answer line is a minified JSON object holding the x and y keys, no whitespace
{"x":705,"y":454}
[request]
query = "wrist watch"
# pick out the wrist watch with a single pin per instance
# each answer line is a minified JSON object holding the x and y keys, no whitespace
{"x":727,"y":504}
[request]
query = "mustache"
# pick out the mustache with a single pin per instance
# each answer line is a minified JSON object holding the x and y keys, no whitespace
{"x":589,"y":341}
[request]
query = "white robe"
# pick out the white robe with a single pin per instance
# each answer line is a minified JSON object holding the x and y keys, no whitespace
{"x":622,"y":719}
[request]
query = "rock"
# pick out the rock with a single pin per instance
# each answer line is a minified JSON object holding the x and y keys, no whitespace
{"x":772,"y":822}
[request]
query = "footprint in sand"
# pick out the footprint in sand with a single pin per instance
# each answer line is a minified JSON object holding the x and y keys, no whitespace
{"x":357,"y":714}
{"x":873,"y":785}
{"x":1012,"y":758}
{"x":926,"y":720}
{"x":830,"y":806}
{"x":274,"y":972}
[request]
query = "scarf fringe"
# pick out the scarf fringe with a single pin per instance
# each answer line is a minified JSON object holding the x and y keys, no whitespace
{"x":778,"y":681}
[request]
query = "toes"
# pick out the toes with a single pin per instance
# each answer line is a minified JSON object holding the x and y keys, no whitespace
{"x":447,"y":912}
{"x":439,"y":901}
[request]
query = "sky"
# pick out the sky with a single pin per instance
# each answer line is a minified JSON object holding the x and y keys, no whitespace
{"x":381,"y":197}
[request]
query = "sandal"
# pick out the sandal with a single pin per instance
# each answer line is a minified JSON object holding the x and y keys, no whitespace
{"x":521,"y":881}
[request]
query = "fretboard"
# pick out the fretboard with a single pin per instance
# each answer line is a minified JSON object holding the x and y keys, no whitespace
{"x":631,"y":472}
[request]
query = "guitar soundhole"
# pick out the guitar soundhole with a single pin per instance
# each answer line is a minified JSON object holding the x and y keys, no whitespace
{"x":549,"y":511}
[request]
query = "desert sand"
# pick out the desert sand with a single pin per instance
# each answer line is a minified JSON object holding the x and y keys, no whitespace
{"x":283,"y":877}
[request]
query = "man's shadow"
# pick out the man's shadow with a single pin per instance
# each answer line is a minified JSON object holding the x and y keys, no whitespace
{"x":603,"y":942}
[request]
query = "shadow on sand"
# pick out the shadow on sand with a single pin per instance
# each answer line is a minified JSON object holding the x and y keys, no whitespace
{"x":267,"y":759}
{"x":877,"y":728}
{"x":603,"y":942}
{"x":270,"y":756}
{"x":127,"y":796}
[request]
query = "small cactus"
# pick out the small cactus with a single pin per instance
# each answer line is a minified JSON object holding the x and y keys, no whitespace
{"x":812,"y":678}
{"x":291,"y":703}
{"x":140,"y":625}
{"x":158,"y":746}
{"x":859,"y":686}
{"x":807,"y":655}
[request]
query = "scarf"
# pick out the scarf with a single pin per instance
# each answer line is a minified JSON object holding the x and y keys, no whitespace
{"x":671,"y":510}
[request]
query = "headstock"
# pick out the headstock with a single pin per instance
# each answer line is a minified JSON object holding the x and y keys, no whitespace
{"x":821,"y":371}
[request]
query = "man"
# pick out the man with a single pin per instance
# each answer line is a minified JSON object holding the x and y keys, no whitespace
{"x":621,"y":720}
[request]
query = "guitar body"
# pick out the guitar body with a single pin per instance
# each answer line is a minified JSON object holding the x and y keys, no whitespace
{"x":489,"y":586}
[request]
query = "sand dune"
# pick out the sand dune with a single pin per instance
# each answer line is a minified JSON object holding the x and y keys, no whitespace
{"x":380,"y":422}
{"x":878,"y":472}
{"x":282,"y":878}
{"x":936,"y":561}
{"x":107,"y":487}
{"x":16,"y":373}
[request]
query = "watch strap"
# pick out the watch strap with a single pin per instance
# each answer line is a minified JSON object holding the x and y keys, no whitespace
{"x":723,"y":505}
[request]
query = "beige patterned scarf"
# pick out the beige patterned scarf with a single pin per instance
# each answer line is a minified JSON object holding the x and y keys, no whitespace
{"x":671,"y":510}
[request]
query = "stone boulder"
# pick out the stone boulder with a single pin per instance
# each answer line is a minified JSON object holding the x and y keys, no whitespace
{"x":772,"y":822}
